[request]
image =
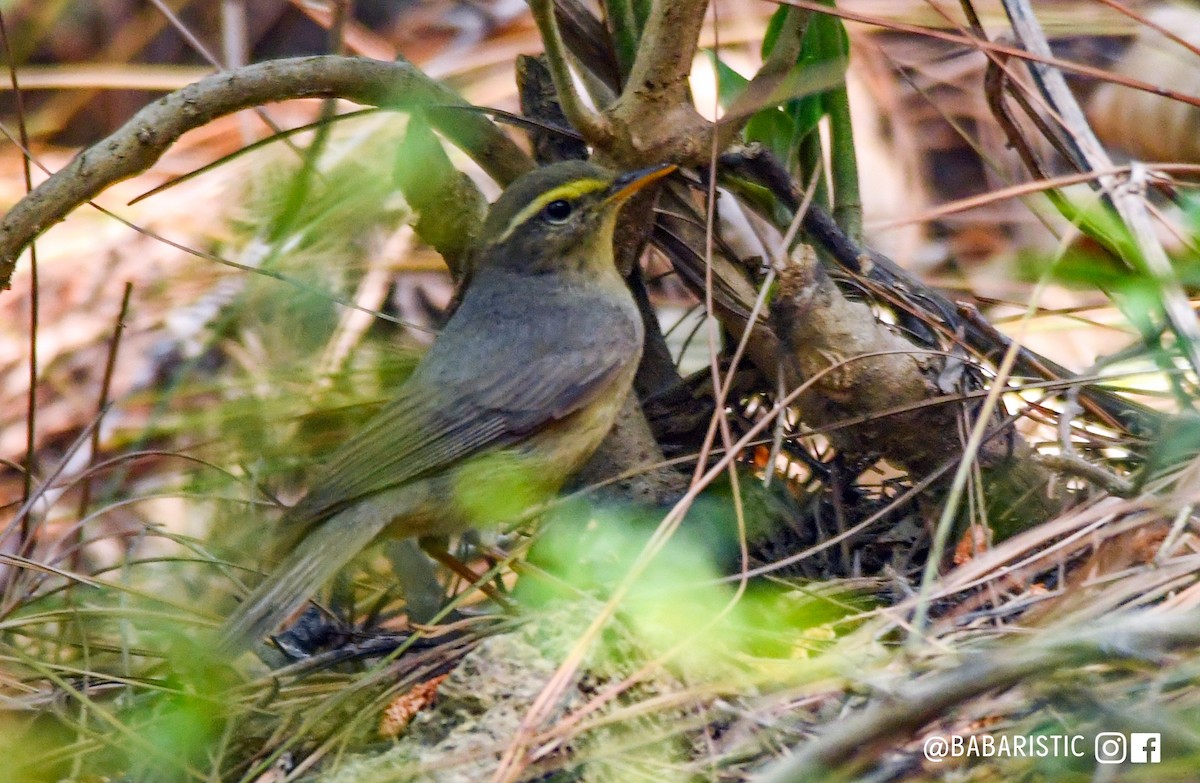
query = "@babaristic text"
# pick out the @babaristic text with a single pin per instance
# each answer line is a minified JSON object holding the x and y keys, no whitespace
{"x":1109,"y":747}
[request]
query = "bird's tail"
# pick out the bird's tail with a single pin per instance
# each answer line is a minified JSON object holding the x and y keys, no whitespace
{"x":317,"y":557}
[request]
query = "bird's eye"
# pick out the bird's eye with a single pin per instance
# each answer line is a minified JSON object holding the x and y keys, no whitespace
{"x":557,"y":211}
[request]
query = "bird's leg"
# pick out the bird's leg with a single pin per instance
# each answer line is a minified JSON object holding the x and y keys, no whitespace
{"x":436,"y":547}
{"x":423,"y":594}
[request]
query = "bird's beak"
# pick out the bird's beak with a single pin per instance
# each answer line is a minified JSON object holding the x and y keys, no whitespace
{"x":631,"y":182}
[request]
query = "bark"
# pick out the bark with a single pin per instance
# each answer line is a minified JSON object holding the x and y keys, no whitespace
{"x":136,"y":145}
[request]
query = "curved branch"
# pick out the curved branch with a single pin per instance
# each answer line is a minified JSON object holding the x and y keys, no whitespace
{"x":142,"y":140}
{"x":594,"y":127}
{"x":850,"y":744}
{"x":654,"y":119}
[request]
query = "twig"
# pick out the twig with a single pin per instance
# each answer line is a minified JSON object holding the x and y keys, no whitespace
{"x":1129,"y":204}
{"x":1075,"y":465}
{"x":141,"y":141}
{"x":594,"y":127}
{"x":34,"y":300}
{"x":852,"y":743}
{"x":110,"y":364}
{"x":987,"y":46}
{"x":664,"y":57}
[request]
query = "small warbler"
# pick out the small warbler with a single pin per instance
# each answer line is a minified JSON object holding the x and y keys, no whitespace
{"x":515,"y":394}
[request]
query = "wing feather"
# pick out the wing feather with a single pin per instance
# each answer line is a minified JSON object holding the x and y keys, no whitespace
{"x":473,"y":393}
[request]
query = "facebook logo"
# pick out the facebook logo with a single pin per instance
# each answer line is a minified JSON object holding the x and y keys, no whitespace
{"x":1145,"y":747}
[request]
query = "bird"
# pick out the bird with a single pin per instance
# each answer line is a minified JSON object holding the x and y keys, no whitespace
{"x":514,"y":395}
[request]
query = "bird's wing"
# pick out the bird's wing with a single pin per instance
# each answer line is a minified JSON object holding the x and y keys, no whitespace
{"x":476,"y":390}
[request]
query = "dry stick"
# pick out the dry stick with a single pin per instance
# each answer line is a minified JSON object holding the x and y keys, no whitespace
{"x":235,"y":44}
{"x":595,"y":127}
{"x":988,"y":46}
{"x":34,"y":300}
{"x":848,"y":745}
{"x":1131,"y":206}
{"x":199,"y":47}
{"x":110,"y":363}
{"x":141,"y":141}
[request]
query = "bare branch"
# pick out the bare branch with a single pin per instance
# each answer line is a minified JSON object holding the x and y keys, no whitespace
{"x":140,"y":142}
{"x":664,"y":57}
{"x":859,"y":739}
{"x":1130,"y":203}
{"x":594,"y":127}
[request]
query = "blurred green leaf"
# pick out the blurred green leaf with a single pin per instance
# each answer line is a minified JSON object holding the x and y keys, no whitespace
{"x":730,"y":83}
{"x":798,"y":101}
{"x":680,"y":595}
{"x":824,"y":39}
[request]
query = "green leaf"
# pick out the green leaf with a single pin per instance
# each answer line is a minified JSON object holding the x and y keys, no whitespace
{"x":824,"y":39}
{"x":729,"y":82}
{"x":773,"y":27}
{"x":773,"y":129}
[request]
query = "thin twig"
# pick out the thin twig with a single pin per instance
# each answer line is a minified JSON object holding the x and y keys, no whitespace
{"x":114,"y":344}
{"x":594,"y":127}
{"x":848,"y":745}
{"x":34,"y":298}
{"x":199,"y":47}
{"x":1129,"y":204}
{"x":987,"y":46}
{"x":141,"y":141}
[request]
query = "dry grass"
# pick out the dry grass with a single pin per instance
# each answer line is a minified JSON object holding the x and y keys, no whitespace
{"x":226,"y":386}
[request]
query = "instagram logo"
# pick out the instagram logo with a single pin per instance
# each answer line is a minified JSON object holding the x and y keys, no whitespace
{"x":1145,"y":748}
{"x":1110,"y":747}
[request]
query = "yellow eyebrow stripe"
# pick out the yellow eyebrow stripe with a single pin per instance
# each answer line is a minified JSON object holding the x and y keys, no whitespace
{"x":567,"y":192}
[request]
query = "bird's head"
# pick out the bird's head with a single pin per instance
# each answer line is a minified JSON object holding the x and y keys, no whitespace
{"x":557,"y":216}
